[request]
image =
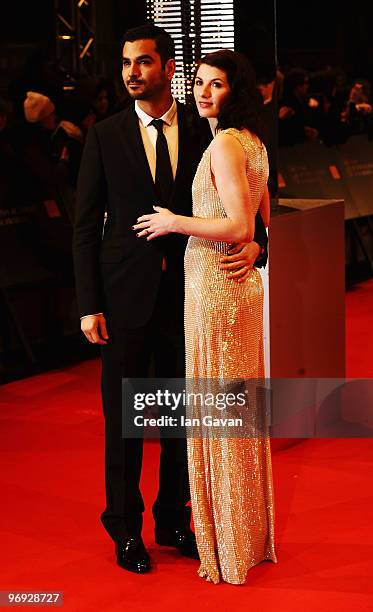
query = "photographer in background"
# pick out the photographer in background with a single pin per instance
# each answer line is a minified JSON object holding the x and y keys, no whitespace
{"x":358,"y":111}
{"x":298,"y":112}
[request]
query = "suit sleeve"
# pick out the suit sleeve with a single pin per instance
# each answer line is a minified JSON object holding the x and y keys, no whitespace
{"x":261,"y":238}
{"x":89,"y":223}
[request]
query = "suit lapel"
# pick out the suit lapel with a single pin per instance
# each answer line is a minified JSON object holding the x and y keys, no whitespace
{"x":134,"y":147}
{"x":182,"y":157}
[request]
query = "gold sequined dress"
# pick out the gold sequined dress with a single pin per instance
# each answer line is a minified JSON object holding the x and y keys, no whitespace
{"x":230,"y":477}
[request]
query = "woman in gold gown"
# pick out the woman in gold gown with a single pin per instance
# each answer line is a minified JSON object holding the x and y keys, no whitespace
{"x":230,"y":476}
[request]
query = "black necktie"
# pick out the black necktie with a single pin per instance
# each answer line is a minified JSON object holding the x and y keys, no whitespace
{"x":164,"y":179}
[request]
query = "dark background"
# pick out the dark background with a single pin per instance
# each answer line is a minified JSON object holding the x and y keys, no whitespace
{"x":326,"y":31}
{"x":318,"y":33}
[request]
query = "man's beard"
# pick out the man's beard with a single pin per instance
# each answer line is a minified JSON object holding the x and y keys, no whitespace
{"x":139,"y":95}
{"x":148,"y":93}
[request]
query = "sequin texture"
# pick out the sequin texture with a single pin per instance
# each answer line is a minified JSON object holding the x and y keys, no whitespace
{"x":230,"y":478}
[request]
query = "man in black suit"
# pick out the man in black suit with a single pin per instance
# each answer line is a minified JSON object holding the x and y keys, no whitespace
{"x":131,"y":291}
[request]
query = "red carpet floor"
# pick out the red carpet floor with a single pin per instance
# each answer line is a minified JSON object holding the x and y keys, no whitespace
{"x":52,"y":494}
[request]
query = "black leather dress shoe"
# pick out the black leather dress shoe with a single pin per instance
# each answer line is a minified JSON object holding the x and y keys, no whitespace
{"x":182,"y":539}
{"x":132,"y":555}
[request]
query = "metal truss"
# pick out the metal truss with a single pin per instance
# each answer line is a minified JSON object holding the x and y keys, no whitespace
{"x":75,"y":35}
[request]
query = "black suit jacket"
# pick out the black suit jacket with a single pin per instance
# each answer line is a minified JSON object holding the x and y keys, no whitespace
{"x":117,"y":273}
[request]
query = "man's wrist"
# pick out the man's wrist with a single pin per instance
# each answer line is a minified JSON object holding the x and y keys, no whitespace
{"x":94,"y":314}
{"x":261,"y":255}
{"x":254,"y":242}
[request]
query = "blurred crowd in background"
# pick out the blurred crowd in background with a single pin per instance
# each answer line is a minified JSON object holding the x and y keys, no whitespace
{"x":323,"y":105}
{"x":43,"y":124}
{"x":44,"y":121}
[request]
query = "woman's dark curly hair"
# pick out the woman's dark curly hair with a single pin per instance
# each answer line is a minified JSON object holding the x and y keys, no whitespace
{"x":242,"y":107}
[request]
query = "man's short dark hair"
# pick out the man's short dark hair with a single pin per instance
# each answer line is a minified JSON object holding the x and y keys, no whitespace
{"x":164,"y":44}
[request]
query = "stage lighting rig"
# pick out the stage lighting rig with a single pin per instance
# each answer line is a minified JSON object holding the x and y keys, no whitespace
{"x":75,"y":22}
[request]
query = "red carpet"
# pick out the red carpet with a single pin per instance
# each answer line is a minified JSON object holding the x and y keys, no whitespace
{"x":52,"y":493}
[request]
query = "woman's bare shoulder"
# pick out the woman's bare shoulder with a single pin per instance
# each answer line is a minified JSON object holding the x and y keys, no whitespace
{"x":226,"y":143}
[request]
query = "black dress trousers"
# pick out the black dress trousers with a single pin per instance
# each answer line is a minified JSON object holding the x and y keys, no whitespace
{"x":129,"y":353}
